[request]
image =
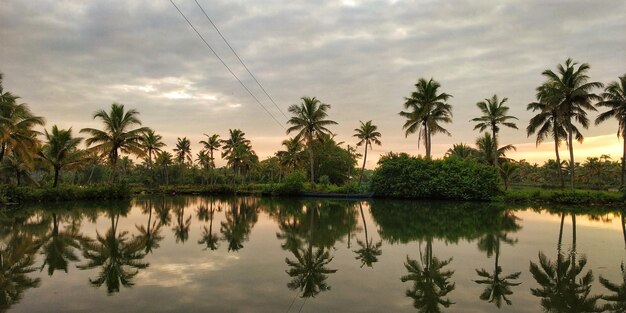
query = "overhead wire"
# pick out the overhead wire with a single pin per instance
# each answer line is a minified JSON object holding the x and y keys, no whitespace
{"x":240,"y":60}
{"x":225,"y":65}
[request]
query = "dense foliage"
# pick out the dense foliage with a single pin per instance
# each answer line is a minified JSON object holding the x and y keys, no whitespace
{"x":402,"y":176}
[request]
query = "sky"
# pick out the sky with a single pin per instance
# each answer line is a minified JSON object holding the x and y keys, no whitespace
{"x":67,"y":59}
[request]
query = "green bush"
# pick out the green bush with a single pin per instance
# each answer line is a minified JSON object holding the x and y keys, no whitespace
{"x":293,"y":184}
{"x":564,"y":196}
{"x":14,"y":194}
{"x":402,"y":176}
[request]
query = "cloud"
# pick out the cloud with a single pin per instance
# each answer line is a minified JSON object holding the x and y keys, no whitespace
{"x":68,"y":59}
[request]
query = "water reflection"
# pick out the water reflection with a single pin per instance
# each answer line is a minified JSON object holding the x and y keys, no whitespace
{"x":431,"y":247}
{"x":118,"y":257}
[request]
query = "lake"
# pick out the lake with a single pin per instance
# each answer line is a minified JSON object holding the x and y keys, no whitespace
{"x":248,"y":254}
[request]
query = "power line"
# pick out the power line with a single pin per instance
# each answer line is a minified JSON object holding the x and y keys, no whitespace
{"x":224,"y":63}
{"x":240,"y":60}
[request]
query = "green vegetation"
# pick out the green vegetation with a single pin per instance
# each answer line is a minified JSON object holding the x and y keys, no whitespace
{"x":124,"y":151}
{"x":402,"y":176}
{"x":576,"y":197}
{"x":16,"y":194}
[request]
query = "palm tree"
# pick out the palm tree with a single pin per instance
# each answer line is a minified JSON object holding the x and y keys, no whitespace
{"x":152,"y":144}
{"x":17,"y":257}
{"x":149,"y":235}
{"x":508,"y":171}
{"x":213,"y":143}
{"x":461,"y":151}
{"x":208,"y":237}
{"x":59,"y":245}
{"x":494,"y":114}
{"x":16,"y":128}
{"x":486,"y":152}
{"x":164,"y":161}
{"x":236,"y":148}
{"x":61,"y":150}
{"x":614,"y":98}
{"x":571,"y":88}
{"x":309,"y":120}
{"x":117,"y":135}
{"x":181,"y":229}
{"x":309,"y":271}
{"x":183,"y":150}
{"x":548,"y":123}
{"x":428,"y":110}
{"x":292,"y":156}
{"x":367,"y":134}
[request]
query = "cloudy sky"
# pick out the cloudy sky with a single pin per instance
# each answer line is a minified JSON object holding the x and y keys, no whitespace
{"x":70,"y":58}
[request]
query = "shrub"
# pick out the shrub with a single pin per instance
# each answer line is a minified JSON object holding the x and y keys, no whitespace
{"x":13,"y":194}
{"x":293,"y":184}
{"x":402,"y":176}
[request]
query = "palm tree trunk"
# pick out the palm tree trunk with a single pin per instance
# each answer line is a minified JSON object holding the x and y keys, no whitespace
{"x":3,"y":149}
{"x":623,"y":161}
{"x":427,"y":130}
{"x":570,"y":140}
{"x":56,"y":177}
{"x":558,"y":159}
{"x":311,"y":158}
{"x":364,"y":160}
{"x":561,"y":232}
{"x":623,"y":220}
{"x":367,"y":244}
{"x":495,"y":147}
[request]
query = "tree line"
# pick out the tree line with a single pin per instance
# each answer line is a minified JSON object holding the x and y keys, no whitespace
{"x":562,"y":104}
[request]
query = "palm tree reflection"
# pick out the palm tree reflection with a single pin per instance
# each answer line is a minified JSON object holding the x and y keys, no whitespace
{"x":150,"y":234}
{"x":369,"y":252}
{"x":59,"y":245}
{"x":431,"y":284}
{"x":117,"y":256}
{"x":208,"y":237}
{"x":17,"y":257}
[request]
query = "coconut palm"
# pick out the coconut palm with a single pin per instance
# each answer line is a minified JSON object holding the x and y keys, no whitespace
{"x":292,"y":156}
{"x":461,"y":151}
{"x":571,"y":88}
{"x":486,"y":151}
{"x":508,"y":171}
{"x":309,"y":271}
{"x":494,"y":114}
{"x":183,"y":150}
{"x":428,"y":109}
{"x":548,"y":123}
{"x":61,"y":150}
{"x":164,"y":160}
{"x":235,"y":149}
{"x":117,"y":135}
{"x":17,"y":122}
{"x":309,"y":121}
{"x":152,"y":144}
{"x":614,"y":98}
{"x":368,"y":135}
{"x":213,"y":143}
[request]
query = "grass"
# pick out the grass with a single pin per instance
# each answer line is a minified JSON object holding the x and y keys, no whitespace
{"x":573,"y":197}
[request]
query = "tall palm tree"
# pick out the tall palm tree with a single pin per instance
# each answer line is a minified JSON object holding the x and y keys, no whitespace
{"x":572,"y":90}
{"x":428,"y":109}
{"x":183,"y":150}
{"x":16,"y":127}
{"x":213,"y":143}
{"x":235,"y":149}
{"x":548,"y":123}
{"x":164,"y":161}
{"x":152,"y":144}
{"x":614,"y":98}
{"x":117,"y":135}
{"x":368,"y":135}
{"x":494,"y":114}
{"x":61,"y":150}
{"x":309,"y":120}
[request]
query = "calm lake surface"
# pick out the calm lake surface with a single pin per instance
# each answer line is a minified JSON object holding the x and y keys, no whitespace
{"x":246,"y":254}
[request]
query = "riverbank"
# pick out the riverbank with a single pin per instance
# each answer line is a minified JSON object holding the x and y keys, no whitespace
{"x":566,"y":197}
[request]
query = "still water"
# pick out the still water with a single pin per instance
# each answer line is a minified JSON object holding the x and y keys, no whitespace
{"x":245,"y":254}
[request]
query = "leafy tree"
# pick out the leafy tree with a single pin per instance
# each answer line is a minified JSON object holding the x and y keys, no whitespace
{"x":309,"y":120}
{"x":117,"y":135}
{"x":428,"y":109}
{"x":183,"y":150}
{"x":61,"y":150}
{"x":368,"y":135}
{"x":494,"y":114}
{"x":614,"y":98}
{"x":571,"y":88}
